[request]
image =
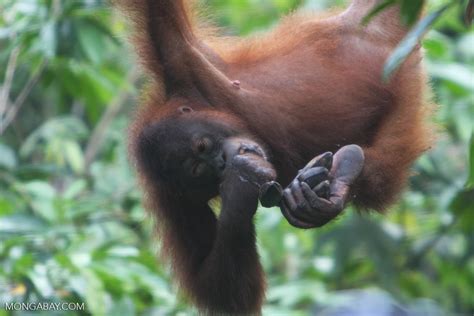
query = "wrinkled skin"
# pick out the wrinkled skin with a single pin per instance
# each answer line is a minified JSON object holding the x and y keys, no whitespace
{"x":321,"y":189}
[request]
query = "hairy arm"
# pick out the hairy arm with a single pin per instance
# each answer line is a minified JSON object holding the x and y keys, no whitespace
{"x":216,"y":261}
{"x":164,"y":34}
{"x":231,"y":279}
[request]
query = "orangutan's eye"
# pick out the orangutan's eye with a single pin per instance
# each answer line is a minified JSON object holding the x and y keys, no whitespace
{"x":203,"y":145}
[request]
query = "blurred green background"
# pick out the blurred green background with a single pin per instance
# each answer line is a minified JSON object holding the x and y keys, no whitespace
{"x":72,"y":228}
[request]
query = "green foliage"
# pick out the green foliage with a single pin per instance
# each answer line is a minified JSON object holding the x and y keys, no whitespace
{"x":470,"y":181}
{"x":410,"y":11}
{"x":72,"y":228}
{"x":383,"y":5}
{"x":407,"y":45}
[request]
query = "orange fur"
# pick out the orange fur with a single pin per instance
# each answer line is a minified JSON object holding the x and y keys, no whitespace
{"x":311,"y":85}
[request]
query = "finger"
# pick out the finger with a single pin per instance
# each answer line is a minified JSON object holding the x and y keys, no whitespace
{"x":304,"y":211}
{"x":253,"y":168}
{"x":298,"y":194}
{"x":304,"y":219}
{"x":338,"y":202}
{"x":270,"y":194}
{"x":323,"y":189}
{"x":298,"y":207}
{"x":314,"y":200}
{"x":290,"y":201}
{"x":314,"y":176}
{"x":326,"y":210}
{"x":286,"y":212}
{"x":323,"y":160}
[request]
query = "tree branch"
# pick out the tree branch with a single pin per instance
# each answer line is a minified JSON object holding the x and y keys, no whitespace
{"x":7,"y":83}
{"x":12,"y":111}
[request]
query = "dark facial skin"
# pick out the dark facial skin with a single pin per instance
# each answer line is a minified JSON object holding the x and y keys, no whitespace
{"x":192,"y":154}
{"x":196,"y":156}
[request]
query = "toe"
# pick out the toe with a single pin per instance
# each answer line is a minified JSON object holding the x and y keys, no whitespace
{"x":348,"y":163}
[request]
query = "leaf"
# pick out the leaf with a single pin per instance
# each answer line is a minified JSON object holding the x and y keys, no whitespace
{"x":470,"y":180}
{"x":92,"y":42}
{"x":466,"y":48}
{"x":73,"y":155}
{"x":124,"y":307}
{"x":39,"y":189}
{"x":5,"y":32}
{"x":75,"y":189}
{"x":7,"y":157}
{"x":95,"y":294}
{"x":461,"y":206}
{"x":8,"y":204}
{"x":41,"y":198}
{"x":437,"y":46}
{"x":456,"y":73}
{"x":410,"y":10}
{"x":123,"y":251}
{"x":57,"y":128}
{"x":376,"y":10}
{"x":291,"y":294}
{"x":469,"y":13}
{"x":39,"y":277}
{"x":407,"y":45}
{"x":48,"y":39}
{"x":20,"y":224}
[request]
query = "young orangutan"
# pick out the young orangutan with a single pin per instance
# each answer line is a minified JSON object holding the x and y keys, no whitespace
{"x":229,"y":116}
